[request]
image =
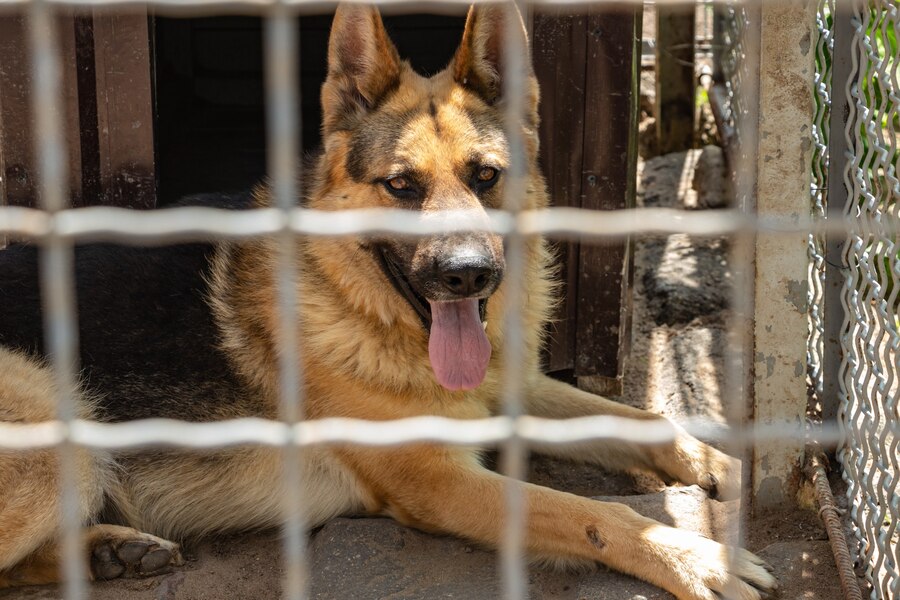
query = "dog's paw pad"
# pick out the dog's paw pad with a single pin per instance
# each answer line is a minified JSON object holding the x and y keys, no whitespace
{"x":156,"y":560}
{"x":105,"y":564}
{"x":133,"y":552}
{"x":141,"y":557}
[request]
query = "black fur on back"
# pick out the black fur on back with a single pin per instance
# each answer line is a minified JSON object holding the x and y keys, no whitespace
{"x":148,"y":342}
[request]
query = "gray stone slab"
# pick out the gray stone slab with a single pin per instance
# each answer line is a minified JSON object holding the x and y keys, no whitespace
{"x":371,"y":559}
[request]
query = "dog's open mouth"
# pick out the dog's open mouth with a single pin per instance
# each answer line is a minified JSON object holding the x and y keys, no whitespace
{"x":458,"y":347}
{"x":419,"y":303}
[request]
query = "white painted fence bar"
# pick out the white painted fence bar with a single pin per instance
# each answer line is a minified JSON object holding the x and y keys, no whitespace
{"x":534,"y":430}
{"x":57,"y":279}
{"x":169,"y":225}
{"x":513,"y":575}
{"x":282,"y":131}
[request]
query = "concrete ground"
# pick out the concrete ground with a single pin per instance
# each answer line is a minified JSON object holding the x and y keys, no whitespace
{"x":676,"y":366}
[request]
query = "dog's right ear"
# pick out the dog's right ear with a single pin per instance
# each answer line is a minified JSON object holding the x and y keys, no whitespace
{"x":363,"y":64}
{"x":479,"y":62}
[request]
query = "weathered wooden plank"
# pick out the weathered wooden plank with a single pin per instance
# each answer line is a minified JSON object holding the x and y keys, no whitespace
{"x":675,"y":83}
{"x":608,"y":175}
{"x":124,"y":108}
{"x":587,"y":66}
{"x":85,"y":60}
{"x":16,"y":116}
{"x":559,"y":60}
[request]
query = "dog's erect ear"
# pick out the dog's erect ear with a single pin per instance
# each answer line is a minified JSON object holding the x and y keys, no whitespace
{"x":363,"y":64}
{"x":479,"y":61}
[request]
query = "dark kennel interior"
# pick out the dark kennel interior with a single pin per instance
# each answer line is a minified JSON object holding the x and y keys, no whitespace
{"x":209,"y":96}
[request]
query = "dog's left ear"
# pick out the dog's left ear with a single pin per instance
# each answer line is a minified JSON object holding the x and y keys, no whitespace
{"x":479,"y":62}
{"x":363,"y":64}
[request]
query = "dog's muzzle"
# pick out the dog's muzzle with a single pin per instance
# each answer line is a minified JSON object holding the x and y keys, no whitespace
{"x":451,"y":303}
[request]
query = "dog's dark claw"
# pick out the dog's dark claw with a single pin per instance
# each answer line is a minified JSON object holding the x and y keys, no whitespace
{"x":712,"y":488}
{"x":113,"y":558}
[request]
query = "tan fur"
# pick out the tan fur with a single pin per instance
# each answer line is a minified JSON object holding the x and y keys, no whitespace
{"x":29,"y":481}
{"x":365,"y":356}
{"x":191,"y":495}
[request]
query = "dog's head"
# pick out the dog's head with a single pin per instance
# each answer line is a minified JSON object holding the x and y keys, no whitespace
{"x":393,"y":138}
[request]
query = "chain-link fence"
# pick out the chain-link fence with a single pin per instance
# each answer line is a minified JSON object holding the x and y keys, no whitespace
{"x":869,"y":408}
{"x":731,"y":20}
{"x":818,"y":191}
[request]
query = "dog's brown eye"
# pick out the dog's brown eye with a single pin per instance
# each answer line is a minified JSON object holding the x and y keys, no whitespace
{"x":484,"y":178}
{"x":487,"y":174}
{"x":401,"y":187}
{"x":398,"y":183}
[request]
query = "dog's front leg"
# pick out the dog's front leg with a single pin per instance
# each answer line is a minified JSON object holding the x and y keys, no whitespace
{"x":685,"y":459}
{"x":446,"y":490}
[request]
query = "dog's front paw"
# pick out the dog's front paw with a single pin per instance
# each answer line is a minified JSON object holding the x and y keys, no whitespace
{"x":695,"y":463}
{"x":732,"y":573}
{"x":707,"y":570}
{"x":136,"y":555}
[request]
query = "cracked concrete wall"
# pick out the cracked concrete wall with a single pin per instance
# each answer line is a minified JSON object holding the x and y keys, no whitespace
{"x":787,"y":68}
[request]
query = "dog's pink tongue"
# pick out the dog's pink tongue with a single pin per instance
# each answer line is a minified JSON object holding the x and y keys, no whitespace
{"x":458,"y":346}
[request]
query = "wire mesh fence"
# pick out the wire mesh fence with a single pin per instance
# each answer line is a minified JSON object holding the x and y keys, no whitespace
{"x":731,"y":21}
{"x":818,"y":193}
{"x":869,"y":405}
{"x":869,"y":411}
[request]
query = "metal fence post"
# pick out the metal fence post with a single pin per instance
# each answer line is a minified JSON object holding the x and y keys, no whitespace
{"x":780,"y":329}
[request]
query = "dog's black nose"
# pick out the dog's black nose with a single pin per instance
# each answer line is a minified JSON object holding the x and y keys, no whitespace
{"x":466,"y":276}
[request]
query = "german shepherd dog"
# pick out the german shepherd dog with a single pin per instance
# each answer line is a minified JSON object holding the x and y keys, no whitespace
{"x":390,"y":328}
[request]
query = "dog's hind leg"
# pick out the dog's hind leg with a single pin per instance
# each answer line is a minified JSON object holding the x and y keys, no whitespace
{"x":29,"y":516}
{"x":114,"y":552}
{"x":30,"y":494}
{"x":29,"y":479}
{"x":684,"y":459}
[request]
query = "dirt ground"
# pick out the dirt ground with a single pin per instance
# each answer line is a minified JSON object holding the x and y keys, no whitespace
{"x":675,"y":368}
